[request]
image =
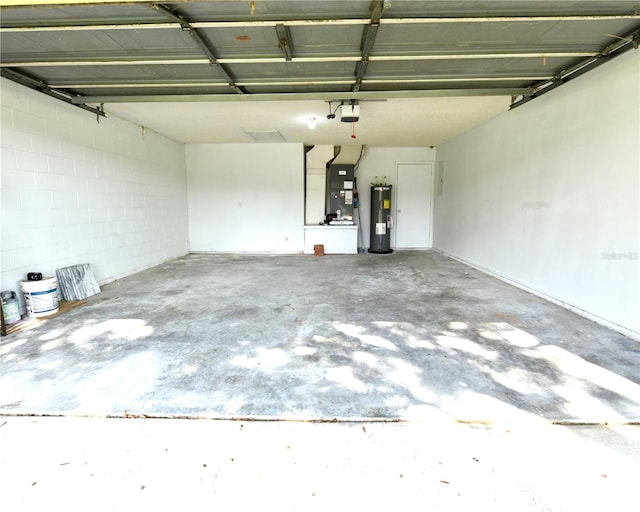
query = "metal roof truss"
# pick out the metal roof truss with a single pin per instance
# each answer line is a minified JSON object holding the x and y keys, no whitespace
{"x":99,"y":52}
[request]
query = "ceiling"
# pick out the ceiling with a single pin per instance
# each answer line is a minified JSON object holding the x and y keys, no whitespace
{"x":421,"y":72}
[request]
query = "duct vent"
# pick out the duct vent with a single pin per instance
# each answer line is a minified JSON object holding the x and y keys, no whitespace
{"x":348,"y":155}
{"x":266,"y":136}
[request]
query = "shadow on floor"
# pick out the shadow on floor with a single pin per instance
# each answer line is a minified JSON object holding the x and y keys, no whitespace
{"x":395,"y":337}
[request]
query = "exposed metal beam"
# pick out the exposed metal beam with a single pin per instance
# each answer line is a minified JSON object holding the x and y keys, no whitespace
{"x":151,"y":62}
{"x":508,"y":19}
{"x":624,"y":44}
{"x":170,"y":14}
{"x":431,"y":79}
{"x":294,"y":82}
{"x":118,"y":62}
{"x":195,"y":24}
{"x":324,"y":96}
{"x":202,"y":43}
{"x":368,"y":39}
{"x":276,"y":60}
{"x":285,"y":41}
{"x":89,"y":27}
{"x":134,"y":85}
{"x":495,"y":55}
{"x":49,"y":3}
{"x":319,"y":22}
{"x":455,"y":79}
{"x":40,"y":86}
{"x":273,"y":23}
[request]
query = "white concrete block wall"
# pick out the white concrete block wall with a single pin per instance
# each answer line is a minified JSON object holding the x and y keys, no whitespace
{"x":548,"y":195}
{"x":78,"y":191}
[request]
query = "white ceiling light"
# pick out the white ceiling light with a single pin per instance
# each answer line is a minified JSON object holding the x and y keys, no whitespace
{"x":311,"y":123}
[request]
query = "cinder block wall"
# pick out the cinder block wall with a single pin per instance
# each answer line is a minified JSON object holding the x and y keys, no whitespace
{"x":75,"y":190}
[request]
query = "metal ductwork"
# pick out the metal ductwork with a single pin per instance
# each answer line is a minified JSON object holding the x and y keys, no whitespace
{"x":347,"y":155}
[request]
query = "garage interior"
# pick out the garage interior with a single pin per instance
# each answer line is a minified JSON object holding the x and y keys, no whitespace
{"x":265,"y":332}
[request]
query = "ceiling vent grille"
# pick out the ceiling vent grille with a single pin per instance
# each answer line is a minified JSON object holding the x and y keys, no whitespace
{"x":266,"y":136}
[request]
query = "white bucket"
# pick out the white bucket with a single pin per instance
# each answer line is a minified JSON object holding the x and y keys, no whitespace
{"x":41,"y":297}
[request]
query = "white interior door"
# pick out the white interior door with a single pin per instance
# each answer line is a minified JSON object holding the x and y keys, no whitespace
{"x":414,"y":196}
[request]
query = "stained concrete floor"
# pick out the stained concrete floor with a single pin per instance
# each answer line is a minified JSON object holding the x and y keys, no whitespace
{"x":399,"y":336}
{"x":450,"y":390}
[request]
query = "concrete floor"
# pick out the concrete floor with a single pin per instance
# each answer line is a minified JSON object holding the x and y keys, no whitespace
{"x":399,"y":336}
{"x":523,"y":465}
{"x":450,"y":388}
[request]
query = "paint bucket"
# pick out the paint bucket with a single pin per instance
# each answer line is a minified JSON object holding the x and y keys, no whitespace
{"x":41,"y":297}
{"x":10,"y":307}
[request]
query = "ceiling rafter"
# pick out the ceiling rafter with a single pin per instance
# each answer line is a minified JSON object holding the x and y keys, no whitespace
{"x":374,"y":54}
{"x":196,"y":25}
{"x":323,"y":96}
{"x":508,"y":19}
{"x":249,"y":83}
{"x":285,"y":41}
{"x":315,"y":22}
{"x":368,"y":40}
{"x":275,"y":60}
{"x":39,"y":85}
{"x":257,"y":83}
{"x":204,"y":45}
{"x":623,"y":44}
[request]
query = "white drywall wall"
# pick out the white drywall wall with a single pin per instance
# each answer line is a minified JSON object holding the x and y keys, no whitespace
{"x":547,"y":195}
{"x":78,"y":191}
{"x":317,"y":159}
{"x":379,"y":164}
{"x":246,"y":197}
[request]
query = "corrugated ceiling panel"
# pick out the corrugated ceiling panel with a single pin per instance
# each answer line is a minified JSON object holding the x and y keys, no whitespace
{"x":125,"y":42}
{"x":79,"y":15}
{"x":336,"y":40}
{"x":575,"y":36}
{"x":468,"y":67}
{"x":293,"y":70}
{"x":301,"y":89}
{"x":243,"y":41}
{"x":277,"y":10}
{"x":506,"y":7}
{"x":326,"y":41}
{"x":100,"y":74}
